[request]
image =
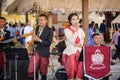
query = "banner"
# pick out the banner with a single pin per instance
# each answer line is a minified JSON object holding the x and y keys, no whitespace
{"x":96,"y":61}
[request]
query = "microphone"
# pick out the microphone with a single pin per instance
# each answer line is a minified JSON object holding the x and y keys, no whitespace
{"x":77,"y":23}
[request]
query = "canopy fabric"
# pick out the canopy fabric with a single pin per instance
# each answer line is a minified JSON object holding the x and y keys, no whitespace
{"x":12,"y":8}
{"x":22,"y":6}
{"x":116,"y":20}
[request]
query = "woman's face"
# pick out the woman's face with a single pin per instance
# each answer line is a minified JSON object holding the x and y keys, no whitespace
{"x":74,"y":20}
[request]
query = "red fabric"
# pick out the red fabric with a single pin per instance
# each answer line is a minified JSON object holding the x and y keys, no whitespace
{"x":72,"y":66}
{"x":17,"y":32}
{"x":41,"y":65}
{"x":97,"y":61}
{"x":73,"y":31}
{"x":2,"y":60}
{"x":77,"y":40}
{"x":80,"y":70}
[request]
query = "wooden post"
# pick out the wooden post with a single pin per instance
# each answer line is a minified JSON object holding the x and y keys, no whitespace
{"x":0,"y":8}
{"x":50,"y":19}
{"x":26,"y":17}
{"x":85,"y":19}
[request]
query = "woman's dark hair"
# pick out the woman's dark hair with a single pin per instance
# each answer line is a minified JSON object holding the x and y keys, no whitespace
{"x":70,"y":17}
{"x":95,"y":27}
{"x":80,"y":21}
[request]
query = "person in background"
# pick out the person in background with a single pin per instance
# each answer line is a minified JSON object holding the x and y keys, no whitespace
{"x":103,"y":30}
{"x":119,"y":50}
{"x":42,"y":40}
{"x":16,"y":30}
{"x":11,"y":29}
{"x":74,"y":38}
{"x":115,"y":42}
{"x":4,"y":35}
{"x":90,"y":33}
{"x":28,"y":29}
{"x":96,"y":29}
{"x":21,"y":29}
{"x":61,"y":46}
{"x":6,"y":25}
{"x":54,"y":41}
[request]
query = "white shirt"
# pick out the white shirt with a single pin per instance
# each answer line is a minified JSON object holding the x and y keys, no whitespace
{"x":70,"y":40}
{"x":28,"y":29}
{"x":12,"y":31}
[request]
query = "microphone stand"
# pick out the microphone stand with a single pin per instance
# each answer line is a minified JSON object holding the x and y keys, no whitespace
{"x":16,"y":69}
{"x":5,"y":71}
{"x":34,"y":61}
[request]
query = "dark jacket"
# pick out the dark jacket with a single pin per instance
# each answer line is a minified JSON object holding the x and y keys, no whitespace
{"x":61,"y":46}
{"x":43,"y":48}
{"x":102,"y":28}
{"x":6,"y":34}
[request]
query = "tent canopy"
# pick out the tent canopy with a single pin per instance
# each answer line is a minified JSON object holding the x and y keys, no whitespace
{"x":22,"y":6}
{"x":116,"y":20}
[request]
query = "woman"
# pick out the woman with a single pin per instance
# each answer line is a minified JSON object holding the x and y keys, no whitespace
{"x":90,"y":33}
{"x":96,"y":29}
{"x":74,"y":42}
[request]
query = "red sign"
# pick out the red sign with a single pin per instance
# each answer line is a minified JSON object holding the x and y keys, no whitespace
{"x":96,"y":61}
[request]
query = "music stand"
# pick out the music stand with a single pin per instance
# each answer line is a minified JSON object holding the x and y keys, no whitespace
{"x":16,"y":54}
{"x":3,"y":46}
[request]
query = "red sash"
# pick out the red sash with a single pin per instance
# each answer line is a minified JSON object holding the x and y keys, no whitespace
{"x":96,"y":61}
{"x":77,"y":40}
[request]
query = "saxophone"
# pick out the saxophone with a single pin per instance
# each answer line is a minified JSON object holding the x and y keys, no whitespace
{"x":30,"y":46}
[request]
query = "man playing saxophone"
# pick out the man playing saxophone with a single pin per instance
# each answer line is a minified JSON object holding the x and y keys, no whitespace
{"x":42,"y":41}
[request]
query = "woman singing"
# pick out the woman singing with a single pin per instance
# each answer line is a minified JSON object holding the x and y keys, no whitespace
{"x":74,"y":42}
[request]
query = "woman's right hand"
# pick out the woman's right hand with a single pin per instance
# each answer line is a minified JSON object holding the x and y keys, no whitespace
{"x":78,"y":45}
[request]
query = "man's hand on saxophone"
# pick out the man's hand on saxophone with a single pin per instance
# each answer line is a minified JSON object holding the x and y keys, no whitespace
{"x":36,"y":38}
